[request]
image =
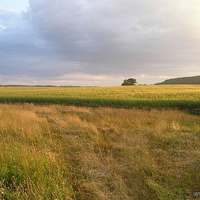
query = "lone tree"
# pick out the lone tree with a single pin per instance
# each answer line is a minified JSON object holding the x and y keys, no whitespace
{"x":130,"y":81}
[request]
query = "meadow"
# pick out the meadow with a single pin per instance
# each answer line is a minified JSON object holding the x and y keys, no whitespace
{"x":53,"y":151}
{"x":154,"y":96}
{"x":65,"y":152}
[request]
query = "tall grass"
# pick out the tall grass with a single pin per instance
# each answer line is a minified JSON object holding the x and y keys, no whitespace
{"x":171,"y":96}
{"x":59,"y":152}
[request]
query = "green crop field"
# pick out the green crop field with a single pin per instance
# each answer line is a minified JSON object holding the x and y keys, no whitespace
{"x":157,"y":96}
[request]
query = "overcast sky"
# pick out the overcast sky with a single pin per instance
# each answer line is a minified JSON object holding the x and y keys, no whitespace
{"x":98,"y":42}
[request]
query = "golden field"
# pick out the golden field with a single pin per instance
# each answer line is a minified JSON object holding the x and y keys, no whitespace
{"x":64,"y":153}
{"x":156,"y":96}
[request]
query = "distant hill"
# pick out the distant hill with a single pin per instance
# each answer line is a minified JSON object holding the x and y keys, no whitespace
{"x":182,"y":80}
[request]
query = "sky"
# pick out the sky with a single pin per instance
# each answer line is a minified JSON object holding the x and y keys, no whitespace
{"x":98,"y":43}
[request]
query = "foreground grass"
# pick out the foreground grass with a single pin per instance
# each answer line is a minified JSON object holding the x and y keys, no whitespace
{"x":59,"y":152}
{"x":157,"y":96}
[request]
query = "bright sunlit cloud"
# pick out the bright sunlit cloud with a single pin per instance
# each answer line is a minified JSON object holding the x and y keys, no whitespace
{"x":5,"y":9}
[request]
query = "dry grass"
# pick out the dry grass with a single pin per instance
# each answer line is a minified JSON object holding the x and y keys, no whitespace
{"x":59,"y":152}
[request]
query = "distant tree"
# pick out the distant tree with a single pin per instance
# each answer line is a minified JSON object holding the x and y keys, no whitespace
{"x":130,"y":81}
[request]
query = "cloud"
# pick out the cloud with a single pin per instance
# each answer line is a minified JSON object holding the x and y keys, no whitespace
{"x":5,"y":9}
{"x":2,"y":27}
{"x":56,"y":40}
{"x":114,"y":37}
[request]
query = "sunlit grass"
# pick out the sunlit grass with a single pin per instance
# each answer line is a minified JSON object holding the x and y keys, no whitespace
{"x":168,"y":96}
{"x":59,"y":152}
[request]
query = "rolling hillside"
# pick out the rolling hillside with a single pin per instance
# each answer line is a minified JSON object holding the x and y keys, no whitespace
{"x":183,"y":80}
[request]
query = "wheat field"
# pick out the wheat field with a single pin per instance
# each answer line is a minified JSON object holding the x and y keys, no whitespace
{"x":64,"y":152}
{"x":157,"y":96}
